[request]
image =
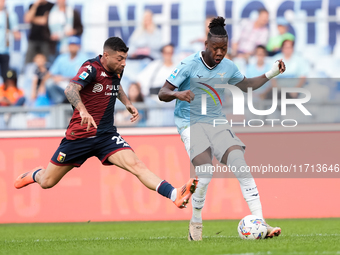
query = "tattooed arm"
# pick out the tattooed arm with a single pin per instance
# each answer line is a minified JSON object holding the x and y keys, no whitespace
{"x":73,"y":96}
{"x":124,"y":99}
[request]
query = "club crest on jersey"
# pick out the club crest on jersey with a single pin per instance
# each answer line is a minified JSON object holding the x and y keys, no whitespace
{"x":103,"y":74}
{"x":174,"y":73}
{"x":61,"y":157}
{"x":89,"y":68}
{"x":221,"y":74}
{"x":83,"y":75}
{"x":97,"y":88}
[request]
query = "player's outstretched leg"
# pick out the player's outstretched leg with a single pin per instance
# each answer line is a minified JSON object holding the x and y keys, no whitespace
{"x":26,"y":178}
{"x":46,"y":178}
{"x":184,"y":193}
{"x":127,"y":159}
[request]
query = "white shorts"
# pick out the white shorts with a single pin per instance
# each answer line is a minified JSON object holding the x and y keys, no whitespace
{"x":204,"y":135}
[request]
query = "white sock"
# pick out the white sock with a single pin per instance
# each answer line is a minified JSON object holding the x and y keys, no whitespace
{"x":198,"y":198}
{"x":173,"y":195}
{"x":247,"y":182}
{"x":255,"y":207}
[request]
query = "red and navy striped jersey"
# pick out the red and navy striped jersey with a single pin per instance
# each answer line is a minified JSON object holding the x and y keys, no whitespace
{"x":99,"y":93}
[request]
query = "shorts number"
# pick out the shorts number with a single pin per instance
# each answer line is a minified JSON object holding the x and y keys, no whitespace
{"x":120,"y":140}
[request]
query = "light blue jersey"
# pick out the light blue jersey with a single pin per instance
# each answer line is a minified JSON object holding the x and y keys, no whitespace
{"x":195,"y":75}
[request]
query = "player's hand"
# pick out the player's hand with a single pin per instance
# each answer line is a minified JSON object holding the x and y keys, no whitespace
{"x":134,"y":112}
{"x":282,"y":66}
{"x":186,"y":95}
{"x":278,"y":67}
{"x":87,"y":118}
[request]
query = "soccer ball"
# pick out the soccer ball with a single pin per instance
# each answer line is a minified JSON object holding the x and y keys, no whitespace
{"x":252,"y":227}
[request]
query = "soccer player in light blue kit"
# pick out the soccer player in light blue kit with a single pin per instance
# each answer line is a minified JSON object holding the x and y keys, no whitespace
{"x":195,"y":76}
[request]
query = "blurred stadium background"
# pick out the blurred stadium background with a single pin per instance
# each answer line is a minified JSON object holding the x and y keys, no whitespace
{"x":31,"y":132}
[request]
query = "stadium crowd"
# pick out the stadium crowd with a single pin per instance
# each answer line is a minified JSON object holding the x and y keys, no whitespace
{"x":54,"y":55}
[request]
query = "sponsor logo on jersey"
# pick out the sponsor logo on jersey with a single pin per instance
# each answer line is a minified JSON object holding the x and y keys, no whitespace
{"x":104,"y":74}
{"x":174,"y":73}
{"x":89,"y":68}
{"x":61,"y":157}
{"x":83,"y":75}
{"x":97,"y":88}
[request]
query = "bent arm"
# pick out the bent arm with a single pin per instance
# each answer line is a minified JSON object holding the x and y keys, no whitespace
{"x":123,"y":97}
{"x":254,"y":83}
{"x":29,"y":15}
{"x":73,"y":96}
{"x":167,"y":92}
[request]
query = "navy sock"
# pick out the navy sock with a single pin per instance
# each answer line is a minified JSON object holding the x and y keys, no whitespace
{"x":34,"y":173}
{"x":165,"y":189}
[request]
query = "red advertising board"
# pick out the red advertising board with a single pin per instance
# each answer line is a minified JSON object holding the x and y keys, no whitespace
{"x":106,"y":193}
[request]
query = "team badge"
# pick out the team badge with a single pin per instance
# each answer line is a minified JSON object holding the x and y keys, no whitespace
{"x":221,"y":75}
{"x":118,"y":76}
{"x":61,"y":157}
{"x":83,"y":75}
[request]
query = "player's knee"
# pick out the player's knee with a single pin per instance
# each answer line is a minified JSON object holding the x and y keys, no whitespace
{"x":47,"y":183}
{"x":137,"y":167}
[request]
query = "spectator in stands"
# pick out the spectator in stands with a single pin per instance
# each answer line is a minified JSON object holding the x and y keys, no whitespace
{"x":258,"y":67}
{"x":63,"y":69}
{"x":297,"y":69}
{"x":8,"y":24}
{"x":38,"y":94}
{"x":39,"y":36}
{"x":275,"y":42}
{"x":152,"y":79}
{"x":153,"y":75}
{"x":146,"y":41}
{"x":122,"y":118}
{"x":63,"y":22}
{"x":10,"y":94}
{"x":251,"y":34}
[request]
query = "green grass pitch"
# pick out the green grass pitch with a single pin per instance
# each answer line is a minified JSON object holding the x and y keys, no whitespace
{"x":299,"y":236}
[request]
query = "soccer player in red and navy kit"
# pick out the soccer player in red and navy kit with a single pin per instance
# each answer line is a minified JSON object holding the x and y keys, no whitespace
{"x":92,"y":93}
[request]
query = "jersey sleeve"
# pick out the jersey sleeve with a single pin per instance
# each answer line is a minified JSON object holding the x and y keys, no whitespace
{"x":236,"y":76}
{"x":179,"y":74}
{"x":86,"y":74}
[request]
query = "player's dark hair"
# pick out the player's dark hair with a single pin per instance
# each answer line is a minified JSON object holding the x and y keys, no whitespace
{"x":116,"y":44}
{"x":285,"y":41}
{"x":216,"y":28}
